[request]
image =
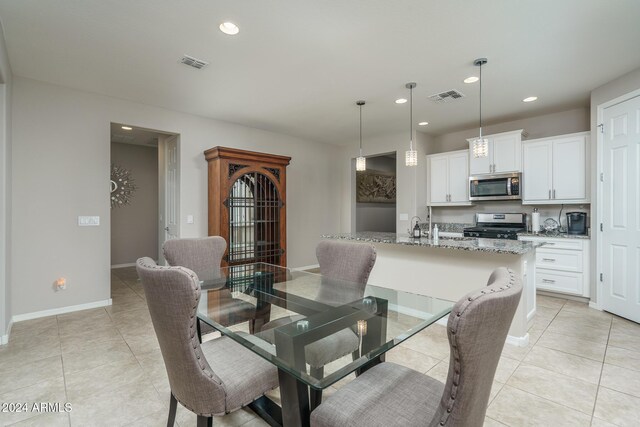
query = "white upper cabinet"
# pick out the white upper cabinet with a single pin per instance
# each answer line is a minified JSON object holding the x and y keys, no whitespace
{"x":504,"y":154}
{"x":448,"y":179}
{"x":555,"y":169}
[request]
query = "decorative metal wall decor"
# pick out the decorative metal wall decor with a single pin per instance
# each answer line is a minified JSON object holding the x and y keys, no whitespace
{"x":375,"y":187}
{"x":122,"y":186}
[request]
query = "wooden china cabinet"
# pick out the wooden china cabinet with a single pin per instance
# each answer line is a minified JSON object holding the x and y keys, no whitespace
{"x":247,"y":204}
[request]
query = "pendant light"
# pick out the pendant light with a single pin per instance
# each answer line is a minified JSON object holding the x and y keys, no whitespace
{"x":411,"y":156}
{"x":361,"y":162}
{"x":480,"y":144}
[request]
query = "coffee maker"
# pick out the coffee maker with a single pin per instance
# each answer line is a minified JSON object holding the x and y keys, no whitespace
{"x":577,"y":223}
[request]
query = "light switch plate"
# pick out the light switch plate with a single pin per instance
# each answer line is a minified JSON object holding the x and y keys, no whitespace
{"x":88,"y":221}
{"x":404,"y":217}
{"x":189,"y":219}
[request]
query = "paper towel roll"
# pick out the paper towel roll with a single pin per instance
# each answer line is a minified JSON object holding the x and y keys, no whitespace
{"x":535,"y":222}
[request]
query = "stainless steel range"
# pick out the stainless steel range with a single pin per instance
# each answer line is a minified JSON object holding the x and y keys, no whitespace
{"x":498,"y":226}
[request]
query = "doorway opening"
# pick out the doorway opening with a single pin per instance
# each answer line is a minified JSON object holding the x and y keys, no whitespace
{"x":375,"y":204}
{"x":144,"y":194}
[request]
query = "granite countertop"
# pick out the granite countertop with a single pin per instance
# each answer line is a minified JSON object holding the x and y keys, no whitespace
{"x":556,"y":235}
{"x":498,"y":246}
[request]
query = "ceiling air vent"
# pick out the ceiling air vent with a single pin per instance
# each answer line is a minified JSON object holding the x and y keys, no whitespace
{"x":446,"y":96}
{"x":193,"y":62}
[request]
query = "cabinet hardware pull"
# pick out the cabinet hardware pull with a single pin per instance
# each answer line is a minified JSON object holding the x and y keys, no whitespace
{"x":549,"y":194}
{"x":554,"y":193}
{"x":548,"y":281}
{"x":549,"y":259}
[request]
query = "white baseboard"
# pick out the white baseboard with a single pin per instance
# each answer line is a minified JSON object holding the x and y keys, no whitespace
{"x":131,"y":264}
{"x":61,"y":310}
{"x":5,"y":338}
{"x":518,"y":341}
{"x":305,"y":267}
{"x":595,"y":305}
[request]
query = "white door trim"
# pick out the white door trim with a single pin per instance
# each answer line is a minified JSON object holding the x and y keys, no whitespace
{"x":599,"y":167}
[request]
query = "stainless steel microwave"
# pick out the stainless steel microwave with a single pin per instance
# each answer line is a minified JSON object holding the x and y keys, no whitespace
{"x":503,"y":186}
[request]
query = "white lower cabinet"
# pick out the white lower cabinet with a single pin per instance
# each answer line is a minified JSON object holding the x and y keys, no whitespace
{"x":562,"y":265}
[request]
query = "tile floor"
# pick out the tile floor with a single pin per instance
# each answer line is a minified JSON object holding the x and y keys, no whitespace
{"x":582,"y":368}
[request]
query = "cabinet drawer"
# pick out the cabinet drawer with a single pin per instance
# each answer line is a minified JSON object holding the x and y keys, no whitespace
{"x":570,"y":283}
{"x":558,"y":259}
{"x":575,"y":245}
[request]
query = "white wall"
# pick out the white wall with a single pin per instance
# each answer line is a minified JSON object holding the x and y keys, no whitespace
{"x":611,"y":90}
{"x":410,"y":181}
{"x":377,"y":216}
{"x":61,"y":170}
{"x":5,"y":189}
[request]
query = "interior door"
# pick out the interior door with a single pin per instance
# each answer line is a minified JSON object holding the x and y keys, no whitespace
{"x":621,"y":209}
{"x":172,"y":189}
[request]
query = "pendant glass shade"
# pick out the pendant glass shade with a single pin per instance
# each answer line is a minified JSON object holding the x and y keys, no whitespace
{"x":480,"y":147}
{"x":411,"y":156}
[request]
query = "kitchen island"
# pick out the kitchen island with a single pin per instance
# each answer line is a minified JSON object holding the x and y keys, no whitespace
{"x":451,"y":268}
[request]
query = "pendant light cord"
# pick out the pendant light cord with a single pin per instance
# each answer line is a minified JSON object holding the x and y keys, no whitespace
{"x":480,"y":100}
{"x":360,"y":130}
{"x":411,"y":118}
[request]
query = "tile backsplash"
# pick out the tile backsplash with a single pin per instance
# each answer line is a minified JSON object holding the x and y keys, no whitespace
{"x":466,"y":214}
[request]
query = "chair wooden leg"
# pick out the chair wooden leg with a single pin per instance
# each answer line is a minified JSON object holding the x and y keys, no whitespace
{"x":204,"y":421}
{"x":173,"y":406}
{"x":315,"y":396}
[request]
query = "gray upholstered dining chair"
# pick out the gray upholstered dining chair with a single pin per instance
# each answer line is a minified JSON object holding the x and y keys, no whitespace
{"x":339,"y":262}
{"x":203,"y":256}
{"x":390,"y":394}
{"x":213,"y":378}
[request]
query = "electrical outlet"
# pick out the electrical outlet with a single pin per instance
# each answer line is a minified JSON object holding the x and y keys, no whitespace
{"x":404,"y":217}
{"x":189,"y":219}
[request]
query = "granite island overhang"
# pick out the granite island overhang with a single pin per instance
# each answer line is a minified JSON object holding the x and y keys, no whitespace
{"x":451,"y":268}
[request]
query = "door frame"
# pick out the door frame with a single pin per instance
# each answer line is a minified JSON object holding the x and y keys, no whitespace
{"x":600,"y":188}
{"x":162,"y":191}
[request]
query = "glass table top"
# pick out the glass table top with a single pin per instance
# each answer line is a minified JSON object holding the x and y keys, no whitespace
{"x":313,"y":327}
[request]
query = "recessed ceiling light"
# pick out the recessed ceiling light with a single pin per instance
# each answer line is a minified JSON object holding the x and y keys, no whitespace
{"x":530,"y":99}
{"x":471,"y":79}
{"x":401,"y":101}
{"x":229,"y":28}
{"x":423,"y":123}
{"x":127,"y":127}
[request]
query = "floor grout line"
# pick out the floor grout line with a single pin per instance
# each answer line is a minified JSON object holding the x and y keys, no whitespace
{"x":595,"y":402}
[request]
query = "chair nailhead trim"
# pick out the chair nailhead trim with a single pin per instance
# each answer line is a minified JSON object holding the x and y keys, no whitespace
{"x":456,"y":356}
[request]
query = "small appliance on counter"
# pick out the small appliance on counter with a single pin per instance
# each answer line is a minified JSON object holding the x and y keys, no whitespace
{"x":498,"y":226}
{"x":577,"y":223}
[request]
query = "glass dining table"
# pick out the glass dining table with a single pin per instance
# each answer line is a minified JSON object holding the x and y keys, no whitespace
{"x":294,"y":318}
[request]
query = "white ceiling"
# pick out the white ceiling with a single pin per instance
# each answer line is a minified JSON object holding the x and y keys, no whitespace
{"x":298,"y":66}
